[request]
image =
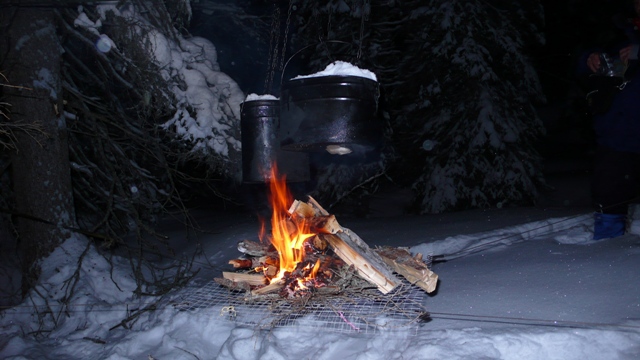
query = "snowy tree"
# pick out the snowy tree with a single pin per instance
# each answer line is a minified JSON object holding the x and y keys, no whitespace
{"x":460,"y":90}
{"x":149,"y":117}
{"x":153,"y":121}
{"x":472,"y":123}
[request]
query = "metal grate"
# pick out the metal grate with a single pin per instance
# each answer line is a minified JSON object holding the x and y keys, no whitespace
{"x":369,"y":313}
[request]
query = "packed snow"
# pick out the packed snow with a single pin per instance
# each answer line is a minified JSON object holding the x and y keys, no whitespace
{"x":256,"y":97}
{"x":524,"y":283}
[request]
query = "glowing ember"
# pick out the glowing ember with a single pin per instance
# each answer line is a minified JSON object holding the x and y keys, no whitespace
{"x":287,"y":233}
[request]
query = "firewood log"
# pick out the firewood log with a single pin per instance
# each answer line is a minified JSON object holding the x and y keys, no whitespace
{"x":318,"y":221}
{"x":233,"y":285}
{"x":253,"y":248}
{"x":254,"y":262}
{"x":241,"y":263}
{"x":367,"y":263}
{"x":348,"y":246}
{"x":414,"y":270}
{"x":273,"y":287}
{"x":319,"y":243}
{"x":271,"y":271}
{"x":251,"y":279}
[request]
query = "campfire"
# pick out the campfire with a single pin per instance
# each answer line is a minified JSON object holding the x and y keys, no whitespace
{"x":307,"y":252}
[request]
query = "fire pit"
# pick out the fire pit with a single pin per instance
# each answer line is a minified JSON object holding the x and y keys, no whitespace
{"x":309,"y":264}
{"x":308,"y":252}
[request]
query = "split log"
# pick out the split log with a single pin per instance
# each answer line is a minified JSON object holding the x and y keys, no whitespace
{"x":303,"y":209}
{"x":241,"y":263}
{"x":412,"y":268}
{"x":367,"y":263}
{"x":253,"y":248}
{"x":273,"y":287}
{"x":328,"y":290}
{"x":271,"y":271}
{"x":254,"y":262}
{"x":319,"y":244}
{"x":350,"y":247}
{"x":318,"y":221}
{"x":233,"y":285}
{"x":251,"y":279}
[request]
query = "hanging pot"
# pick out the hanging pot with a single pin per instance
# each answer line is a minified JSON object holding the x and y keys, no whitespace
{"x":336,"y":113}
{"x":259,"y":125}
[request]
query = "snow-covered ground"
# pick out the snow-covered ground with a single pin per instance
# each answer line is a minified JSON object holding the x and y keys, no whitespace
{"x":524,"y":283}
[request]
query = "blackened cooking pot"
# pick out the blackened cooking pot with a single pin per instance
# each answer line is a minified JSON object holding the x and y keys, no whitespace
{"x":259,"y":126}
{"x":330,"y":112}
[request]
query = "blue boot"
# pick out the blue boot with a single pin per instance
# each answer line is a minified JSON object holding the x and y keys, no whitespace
{"x":608,"y":225}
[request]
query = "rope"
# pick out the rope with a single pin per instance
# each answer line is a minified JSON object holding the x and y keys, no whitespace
{"x":523,"y":321}
{"x":532,"y":321}
{"x":481,"y":247}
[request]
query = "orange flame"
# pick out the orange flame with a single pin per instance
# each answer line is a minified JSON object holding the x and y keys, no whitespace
{"x":288,"y":240}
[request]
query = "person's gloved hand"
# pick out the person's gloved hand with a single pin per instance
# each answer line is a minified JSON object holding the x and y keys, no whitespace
{"x":629,"y":53}
{"x":593,"y":62}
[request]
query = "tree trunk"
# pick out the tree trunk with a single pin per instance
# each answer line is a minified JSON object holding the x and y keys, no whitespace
{"x":40,"y":167}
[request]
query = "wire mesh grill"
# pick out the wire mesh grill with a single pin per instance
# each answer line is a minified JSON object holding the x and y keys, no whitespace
{"x":368,"y":313}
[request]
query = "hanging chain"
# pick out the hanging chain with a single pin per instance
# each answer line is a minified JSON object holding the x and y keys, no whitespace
{"x":365,"y":11}
{"x":273,"y":50}
{"x":324,"y":43}
{"x":286,"y":35}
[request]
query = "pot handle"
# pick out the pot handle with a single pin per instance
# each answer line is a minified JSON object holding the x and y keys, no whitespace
{"x":305,"y":48}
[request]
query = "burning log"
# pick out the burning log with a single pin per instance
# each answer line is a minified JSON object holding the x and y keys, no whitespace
{"x":349,"y":247}
{"x":254,"y":262}
{"x":319,"y":243}
{"x":319,"y":219}
{"x":412,"y":268}
{"x":310,"y":253}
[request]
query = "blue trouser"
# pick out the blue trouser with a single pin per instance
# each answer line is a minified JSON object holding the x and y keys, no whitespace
{"x":616,"y":181}
{"x":608,"y":225}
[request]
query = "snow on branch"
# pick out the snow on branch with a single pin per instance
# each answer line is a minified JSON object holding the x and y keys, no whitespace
{"x":205,"y":102}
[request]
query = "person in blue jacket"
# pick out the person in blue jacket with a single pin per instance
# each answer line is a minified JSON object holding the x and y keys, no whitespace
{"x":616,"y":178}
